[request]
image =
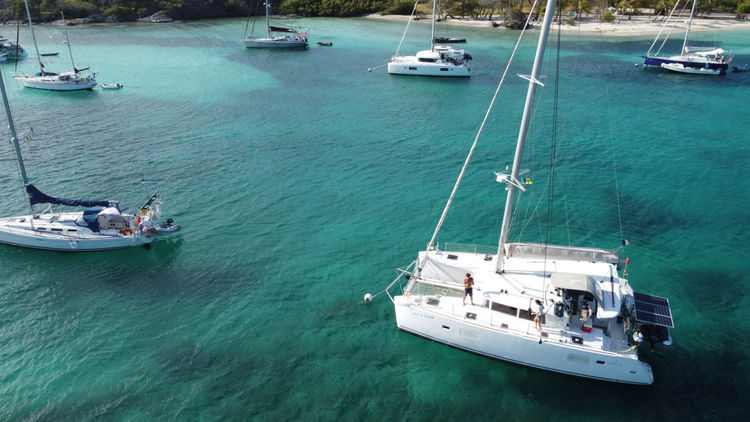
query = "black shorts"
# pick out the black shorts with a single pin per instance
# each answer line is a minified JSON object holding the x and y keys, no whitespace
{"x":468,"y":291}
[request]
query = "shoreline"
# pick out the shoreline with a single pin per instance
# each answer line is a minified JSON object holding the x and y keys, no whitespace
{"x":621,"y":26}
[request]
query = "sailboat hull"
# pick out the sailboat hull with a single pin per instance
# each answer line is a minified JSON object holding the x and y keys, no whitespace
{"x":276,"y":42}
{"x":55,"y":83}
{"x":58,"y":232}
{"x":525,"y":350}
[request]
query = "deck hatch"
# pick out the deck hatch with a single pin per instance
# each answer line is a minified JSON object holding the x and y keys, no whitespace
{"x":653,"y":310}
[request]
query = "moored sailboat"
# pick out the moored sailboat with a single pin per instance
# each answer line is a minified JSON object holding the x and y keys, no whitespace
{"x":101,"y":226}
{"x":692,"y":59}
{"x":277,"y":37}
{"x":51,"y":81}
{"x":590,"y":320}
{"x":439,"y":60}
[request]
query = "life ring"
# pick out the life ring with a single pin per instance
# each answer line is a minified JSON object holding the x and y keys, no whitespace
{"x":127,"y":232}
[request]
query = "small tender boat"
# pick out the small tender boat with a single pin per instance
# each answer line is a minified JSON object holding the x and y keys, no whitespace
{"x":166,"y":228}
{"x":112,"y":86}
{"x":448,"y":40}
{"x":325,"y":44}
{"x":679,"y":67}
{"x":743,"y":68}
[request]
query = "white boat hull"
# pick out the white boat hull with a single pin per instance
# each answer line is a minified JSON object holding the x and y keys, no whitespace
{"x":56,"y":233}
{"x":54,"y":83}
{"x":408,"y":66}
{"x":524,"y":350}
{"x":677,"y":67}
{"x":277,"y":42}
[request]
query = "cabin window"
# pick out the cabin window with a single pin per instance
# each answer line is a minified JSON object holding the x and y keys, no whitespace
{"x":454,"y":257}
{"x":504,"y":309}
{"x":427,"y":60}
{"x":443,"y":69}
{"x":72,"y":230}
{"x":56,"y":230}
{"x":412,"y":68}
{"x":41,"y":228}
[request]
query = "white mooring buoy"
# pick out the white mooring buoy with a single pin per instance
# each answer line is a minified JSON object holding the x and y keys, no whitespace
{"x":368,"y":297}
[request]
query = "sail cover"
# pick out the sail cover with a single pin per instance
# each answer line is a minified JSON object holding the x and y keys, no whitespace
{"x":37,"y":197}
{"x":282,"y":29}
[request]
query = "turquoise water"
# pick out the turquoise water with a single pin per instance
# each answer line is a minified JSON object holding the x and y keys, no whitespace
{"x":302,"y":181}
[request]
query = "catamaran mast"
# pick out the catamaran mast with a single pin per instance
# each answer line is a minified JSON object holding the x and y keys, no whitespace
{"x":434,"y":11}
{"x":526,"y":119}
{"x":16,"y":147}
{"x":67,"y":40}
{"x":36,"y":47}
{"x":684,"y":43}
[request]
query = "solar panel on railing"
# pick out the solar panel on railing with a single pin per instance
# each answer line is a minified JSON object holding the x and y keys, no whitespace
{"x":653,"y":309}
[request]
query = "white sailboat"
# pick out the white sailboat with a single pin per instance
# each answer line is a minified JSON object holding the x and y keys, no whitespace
{"x":284,"y":38}
{"x":695,"y":60}
{"x":51,"y":81}
{"x":101,"y":226}
{"x":591,"y":319}
{"x":439,"y":60}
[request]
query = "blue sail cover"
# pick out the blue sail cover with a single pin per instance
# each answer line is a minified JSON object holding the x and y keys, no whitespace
{"x":37,"y":197}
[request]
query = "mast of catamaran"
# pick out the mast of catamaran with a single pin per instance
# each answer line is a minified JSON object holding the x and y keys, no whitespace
{"x":687,"y":33}
{"x":36,"y":47}
{"x":434,"y":11}
{"x":525,"y":120}
{"x":16,"y":147}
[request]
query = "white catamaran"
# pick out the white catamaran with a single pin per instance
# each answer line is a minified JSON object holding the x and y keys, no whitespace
{"x":591,"y":319}
{"x":101,"y":226}
{"x":439,"y":60}
{"x":51,"y":81}
{"x":291,"y":38}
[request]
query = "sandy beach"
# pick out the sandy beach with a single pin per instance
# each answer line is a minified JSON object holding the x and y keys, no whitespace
{"x":622,"y":25}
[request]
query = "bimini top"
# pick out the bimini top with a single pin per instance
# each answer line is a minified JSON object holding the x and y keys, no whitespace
{"x":38,"y":197}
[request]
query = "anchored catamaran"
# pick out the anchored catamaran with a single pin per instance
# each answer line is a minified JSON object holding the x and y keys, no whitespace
{"x":591,"y":323}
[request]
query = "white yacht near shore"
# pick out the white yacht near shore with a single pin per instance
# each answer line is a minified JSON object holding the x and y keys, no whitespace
{"x":439,"y":60}
{"x":75,"y":80}
{"x":277,"y":37}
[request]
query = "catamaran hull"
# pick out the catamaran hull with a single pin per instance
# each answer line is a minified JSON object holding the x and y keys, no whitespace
{"x":523,"y":350}
{"x":80,"y":84}
{"x":428,"y":69}
{"x":704,"y":64}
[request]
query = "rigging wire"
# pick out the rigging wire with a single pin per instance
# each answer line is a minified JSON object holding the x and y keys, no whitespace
{"x":414,"y":10}
{"x":476,"y":139}
{"x":553,"y":150}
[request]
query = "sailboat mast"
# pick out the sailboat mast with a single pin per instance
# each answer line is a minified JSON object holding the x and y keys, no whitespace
{"x":67,"y":40}
{"x":687,"y":33}
{"x":268,"y":21}
{"x":526,"y":119}
{"x":36,"y":47}
{"x":14,"y":141}
{"x":432,"y":39}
